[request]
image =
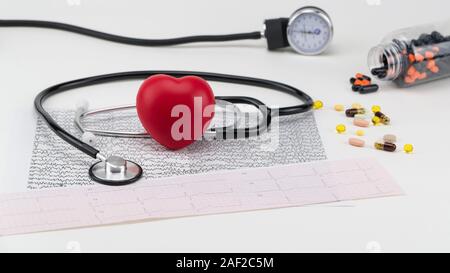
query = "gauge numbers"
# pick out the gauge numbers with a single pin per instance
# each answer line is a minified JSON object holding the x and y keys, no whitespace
{"x":310,"y":31}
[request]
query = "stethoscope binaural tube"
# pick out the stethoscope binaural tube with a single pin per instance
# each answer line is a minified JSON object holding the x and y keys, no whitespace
{"x":135,"y":75}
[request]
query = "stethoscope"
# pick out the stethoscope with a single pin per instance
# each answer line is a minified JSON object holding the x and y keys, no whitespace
{"x":308,"y":31}
{"x":116,"y":171}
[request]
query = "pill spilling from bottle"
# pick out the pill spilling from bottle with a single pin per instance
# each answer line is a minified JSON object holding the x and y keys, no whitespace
{"x":408,"y":59}
{"x":363,"y":84}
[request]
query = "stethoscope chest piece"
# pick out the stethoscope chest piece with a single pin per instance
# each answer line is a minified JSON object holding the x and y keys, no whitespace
{"x":115,"y":171}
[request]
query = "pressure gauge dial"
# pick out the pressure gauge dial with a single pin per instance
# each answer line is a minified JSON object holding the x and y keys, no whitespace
{"x":309,"y":31}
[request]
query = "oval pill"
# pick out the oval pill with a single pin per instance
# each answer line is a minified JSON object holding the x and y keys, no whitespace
{"x":390,"y":138}
{"x":339,"y":107}
{"x":361,"y":122}
{"x":356,"y":142}
{"x":357,"y":105}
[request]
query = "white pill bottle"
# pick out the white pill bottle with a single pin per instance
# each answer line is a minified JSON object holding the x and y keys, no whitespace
{"x":413,"y":55}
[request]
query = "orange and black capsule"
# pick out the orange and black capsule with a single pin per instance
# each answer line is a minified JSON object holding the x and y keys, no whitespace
{"x":372,"y":88}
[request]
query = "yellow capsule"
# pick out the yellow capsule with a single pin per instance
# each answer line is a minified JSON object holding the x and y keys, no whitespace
{"x":388,"y":147}
{"x":376,"y":120}
{"x":318,"y":104}
{"x":360,"y":132}
{"x":357,"y":106}
{"x":339,"y":107}
{"x":376,"y":109}
{"x":383,"y":118}
{"x":340,"y":128}
{"x":352,"y":112}
{"x":408,"y":148}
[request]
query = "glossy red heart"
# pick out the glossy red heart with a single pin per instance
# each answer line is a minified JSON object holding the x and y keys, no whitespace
{"x":175,"y":111}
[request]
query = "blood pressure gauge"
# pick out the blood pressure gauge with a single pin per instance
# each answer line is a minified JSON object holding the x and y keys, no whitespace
{"x":309,"y":31}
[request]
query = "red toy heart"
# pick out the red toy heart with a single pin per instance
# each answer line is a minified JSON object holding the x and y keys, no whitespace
{"x":175,"y":111}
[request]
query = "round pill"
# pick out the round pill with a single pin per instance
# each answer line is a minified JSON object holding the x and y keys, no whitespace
{"x":408,"y":148}
{"x":390,"y":138}
{"x":361,"y":122}
{"x":356,"y":142}
{"x":357,"y":106}
{"x":318,"y":104}
{"x":339,"y":107}
{"x":376,"y":108}
{"x":340,"y":128}
{"x":360,"y":133}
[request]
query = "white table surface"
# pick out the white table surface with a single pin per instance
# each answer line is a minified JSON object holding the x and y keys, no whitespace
{"x":33,"y":59}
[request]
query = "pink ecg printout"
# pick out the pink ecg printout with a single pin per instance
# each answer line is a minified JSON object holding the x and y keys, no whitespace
{"x":222,"y":192}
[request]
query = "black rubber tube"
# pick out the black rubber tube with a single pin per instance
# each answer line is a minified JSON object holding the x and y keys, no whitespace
{"x":91,"y":151}
{"x":129,"y":40}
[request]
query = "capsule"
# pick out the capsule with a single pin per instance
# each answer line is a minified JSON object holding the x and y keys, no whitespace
{"x":376,"y":120}
{"x":383,"y":118}
{"x":357,"y":88}
{"x":419,"y":57}
{"x":362,"y":77}
{"x":353,"y":111}
{"x":361,"y":116}
{"x":431,"y":64}
{"x":429,"y":55}
{"x":390,"y":138}
{"x":367,"y":78}
{"x":379,"y":70}
{"x":388,"y":147}
{"x":358,"y":82}
{"x":435,"y":69}
{"x":382,"y":75}
{"x":369,"y":89}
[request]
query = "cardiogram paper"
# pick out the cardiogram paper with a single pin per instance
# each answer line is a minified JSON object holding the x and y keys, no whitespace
{"x":55,"y":163}
{"x":218,"y":192}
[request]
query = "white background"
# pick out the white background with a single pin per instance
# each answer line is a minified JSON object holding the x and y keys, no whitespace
{"x":33,"y":59}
